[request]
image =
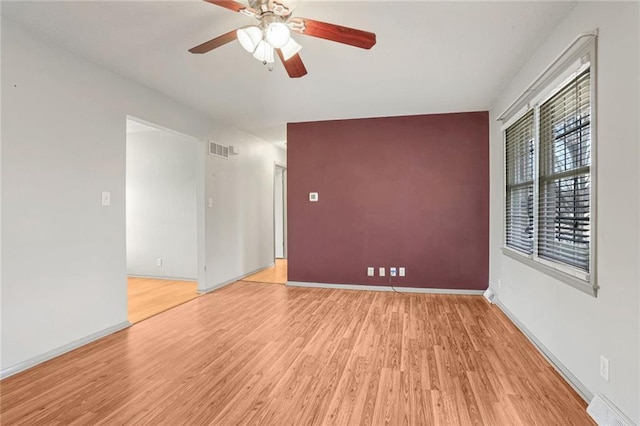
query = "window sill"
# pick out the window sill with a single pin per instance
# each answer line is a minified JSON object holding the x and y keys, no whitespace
{"x":575,"y":282}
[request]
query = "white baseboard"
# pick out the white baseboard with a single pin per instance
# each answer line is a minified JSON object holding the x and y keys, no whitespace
{"x":573,"y":381}
{"x":232,"y":280}
{"x":32,"y":362}
{"x":159,"y":277}
{"x":385,"y":288}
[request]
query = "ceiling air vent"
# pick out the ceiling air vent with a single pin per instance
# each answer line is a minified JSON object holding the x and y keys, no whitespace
{"x":218,"y":150}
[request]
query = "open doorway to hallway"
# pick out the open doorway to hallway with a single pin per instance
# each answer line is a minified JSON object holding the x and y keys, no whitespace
{"x":161,"y":219}
{"x":277,"y":273}
{"x":280,"y":212}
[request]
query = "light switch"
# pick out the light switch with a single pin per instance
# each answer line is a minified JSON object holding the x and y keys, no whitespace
{"x":313,"y":196}
{"x":106,"y":198}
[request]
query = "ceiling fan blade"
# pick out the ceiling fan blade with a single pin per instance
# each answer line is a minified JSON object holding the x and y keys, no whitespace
{"x":294,"y":66}
{"x":235,"y":6}
{"x":333,"y":32}
{"x":213,"y":43}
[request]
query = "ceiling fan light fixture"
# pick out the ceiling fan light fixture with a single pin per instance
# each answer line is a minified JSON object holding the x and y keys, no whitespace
{"x":249,"y":38}
{"x":290,"y":49}
{"x":264,"y":52}
{"x":278,"y":34}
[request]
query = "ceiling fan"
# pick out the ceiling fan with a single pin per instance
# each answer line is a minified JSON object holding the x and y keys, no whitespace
{"x":273,"y":33}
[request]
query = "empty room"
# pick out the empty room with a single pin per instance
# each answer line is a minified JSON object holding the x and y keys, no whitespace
{"x":378,"y":212}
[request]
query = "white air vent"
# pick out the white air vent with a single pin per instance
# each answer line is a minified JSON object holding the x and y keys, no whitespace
{"x":489,"y":295}
{"x":605,"y":413}
{"x":218,"y":150}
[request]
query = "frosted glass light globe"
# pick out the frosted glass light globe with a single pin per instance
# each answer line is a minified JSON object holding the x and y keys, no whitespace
{"x":249,"y":37}
{"x":264,"y":52}
{"x":290,"y":49}
{"x":278,"y":34}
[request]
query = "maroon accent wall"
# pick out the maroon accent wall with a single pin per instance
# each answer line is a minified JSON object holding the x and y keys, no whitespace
{"x":399,"y":191}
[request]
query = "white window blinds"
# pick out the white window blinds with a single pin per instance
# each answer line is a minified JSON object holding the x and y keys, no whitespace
{"x":519,"y":141}
{"x":565,"y":176}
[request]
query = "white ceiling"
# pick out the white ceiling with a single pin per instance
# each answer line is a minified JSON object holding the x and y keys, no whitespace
{"x":431,"y":57}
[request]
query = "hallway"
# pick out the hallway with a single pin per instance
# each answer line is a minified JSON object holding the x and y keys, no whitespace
{"x":277,"y":274}
{"x":150,"y":296}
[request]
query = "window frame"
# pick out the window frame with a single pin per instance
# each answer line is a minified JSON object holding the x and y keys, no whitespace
{"x":575,"y":277}
{"x":507,"y":183}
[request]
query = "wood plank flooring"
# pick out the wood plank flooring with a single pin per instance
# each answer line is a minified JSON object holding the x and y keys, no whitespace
{"x":274,"y":355}
{"x":277,"y":274}
{"x":150,"y":296}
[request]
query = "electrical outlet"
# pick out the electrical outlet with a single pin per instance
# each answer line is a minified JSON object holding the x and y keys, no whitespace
{"x":371,"y":271}
{"x":393,"y":271}
{"x":402,"y":271}
{"x":381,"y":272}
{"x":159,"y":261}
{"x":604,"y":368}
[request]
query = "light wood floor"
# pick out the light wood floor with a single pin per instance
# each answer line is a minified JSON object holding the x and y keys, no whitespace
{"x":276,"y":274}
{"x":150,"y":296}
{"x":274,"y":355}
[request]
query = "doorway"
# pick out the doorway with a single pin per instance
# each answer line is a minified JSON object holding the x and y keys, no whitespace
{"x":280,"y":212}
{"x":162,"y":218}
{"x":280,"y":223}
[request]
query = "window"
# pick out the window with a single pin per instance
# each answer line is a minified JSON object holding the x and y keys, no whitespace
{"x":519,"y":177}
{"x":565,"y":175}
{"x":548,"y":182}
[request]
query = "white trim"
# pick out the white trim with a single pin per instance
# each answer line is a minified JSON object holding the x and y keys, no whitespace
{"x":572,"y":71}
{"x":593,"y":167}
{"x":568,"y":55}
{"x":515,"y":117}
{"x":154,"y":277}
{"x":560,"y":275}
{"x":284,"y":210}
{"x":233,"y":280}
{"x":546,"y":86}
{"x":159,"y":127}
{"x":32,"y":362}
{"x":572,"y":380}
{"x":385,"y":288}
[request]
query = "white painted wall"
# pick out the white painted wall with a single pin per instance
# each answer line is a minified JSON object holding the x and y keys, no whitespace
{"x":63,"y":143}
{"x":161,"y":191}
{"x":575,"y":327}
{"x":240,"y":224}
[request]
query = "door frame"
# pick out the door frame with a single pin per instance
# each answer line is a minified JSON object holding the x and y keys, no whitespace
{"x":277,"y":166}
{"x":200,"y":196}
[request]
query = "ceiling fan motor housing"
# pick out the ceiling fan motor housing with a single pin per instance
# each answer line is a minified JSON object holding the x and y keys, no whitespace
{"x":271,"y":7}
